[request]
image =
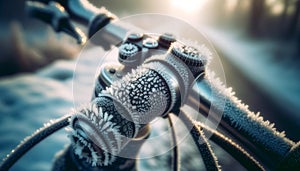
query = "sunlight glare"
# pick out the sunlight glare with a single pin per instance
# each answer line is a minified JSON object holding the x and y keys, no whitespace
{"x":188,"y":5}
{"x":277,"y":9}
{"x":231,"y":5}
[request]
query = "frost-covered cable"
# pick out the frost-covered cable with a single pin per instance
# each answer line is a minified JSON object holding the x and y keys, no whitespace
{"x":32,"y":140}
{"x":231,"y":147}
{"x":175,"y":159}
{"x":209,"y":158}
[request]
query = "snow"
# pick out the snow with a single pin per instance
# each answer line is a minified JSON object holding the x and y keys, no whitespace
{"x":27,"y":102}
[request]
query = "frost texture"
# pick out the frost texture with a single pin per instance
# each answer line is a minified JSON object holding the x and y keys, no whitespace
{"x":101,"y":125}
{"x":177,"y":66}
{"x":204,"y":52}
{"x":145,"y":92}
{"x":252,"y":126}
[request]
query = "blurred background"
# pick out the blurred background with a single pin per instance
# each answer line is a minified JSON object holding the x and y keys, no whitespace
{"x":258,"y":42}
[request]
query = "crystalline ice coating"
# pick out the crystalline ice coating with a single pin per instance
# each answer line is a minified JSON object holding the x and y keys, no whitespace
{"x":84,"y":150}
{"x":136,"y":91}
{"x":204,"y":52}
{"x":106,"y":126}
{"x":177,"y":67}
{"x":248,"y":123}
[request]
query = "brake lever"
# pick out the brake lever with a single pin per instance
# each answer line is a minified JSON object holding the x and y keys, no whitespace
{"x":55,"y":15}
{"x":59,"y":14}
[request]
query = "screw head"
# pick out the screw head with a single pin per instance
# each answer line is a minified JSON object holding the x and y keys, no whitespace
{"x":150,"y":43}
{"x":135,"y":36}
{"x":112,"y":70}
{"x":166,"y":39}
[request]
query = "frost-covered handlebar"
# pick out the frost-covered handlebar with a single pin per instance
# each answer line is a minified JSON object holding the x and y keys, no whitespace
{"x":118,"y":113}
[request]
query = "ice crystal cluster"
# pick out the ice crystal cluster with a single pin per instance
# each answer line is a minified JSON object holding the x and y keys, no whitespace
{"x":98,"y":131}
{"x":184,"y":76}
{"x":146,"y":92}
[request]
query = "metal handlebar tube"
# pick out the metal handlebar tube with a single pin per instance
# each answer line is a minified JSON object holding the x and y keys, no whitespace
{"x":258,"y":136}
{"x":83,"y":11}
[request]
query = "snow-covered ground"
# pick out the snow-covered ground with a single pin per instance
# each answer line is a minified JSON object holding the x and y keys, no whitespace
{"x":27,"y":102}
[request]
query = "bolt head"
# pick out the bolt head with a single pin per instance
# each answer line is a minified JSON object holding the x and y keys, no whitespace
{"x":135,"y":36}
{"x":150,"y":43}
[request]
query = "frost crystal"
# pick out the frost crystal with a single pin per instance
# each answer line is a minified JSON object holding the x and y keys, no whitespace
{"x":252,"y":126}
{"x":97,"y":132}
{"x":145,"y":93}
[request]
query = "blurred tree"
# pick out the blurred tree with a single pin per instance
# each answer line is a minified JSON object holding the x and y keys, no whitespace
{"x":240,"y":12}
{"x":220,"y":12}
{"x":256,"y":15}
{"x":293,"y":27}
{"x":284,"y":17}
{"x":238,"y":8}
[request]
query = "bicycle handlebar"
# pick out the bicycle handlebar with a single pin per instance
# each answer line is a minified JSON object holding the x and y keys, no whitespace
{"x":159,"y":86}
